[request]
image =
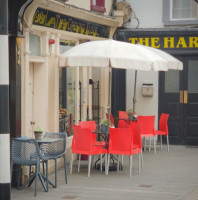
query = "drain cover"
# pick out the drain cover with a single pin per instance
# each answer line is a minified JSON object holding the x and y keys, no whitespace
{"x":69,"y":197}
{"x":145,"y":185}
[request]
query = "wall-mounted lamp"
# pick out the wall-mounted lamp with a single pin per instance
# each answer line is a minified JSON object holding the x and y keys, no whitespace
{"x":51,"y":41}
{"x":18,"y":42}
{"x":91,"y":82}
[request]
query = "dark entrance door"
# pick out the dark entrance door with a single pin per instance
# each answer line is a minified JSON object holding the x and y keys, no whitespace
{"x":178,"y":96}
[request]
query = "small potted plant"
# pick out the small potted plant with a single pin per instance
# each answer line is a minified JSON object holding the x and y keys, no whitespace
{"x":130,"y":113}
{"x":38,"y":133}
{"x":104,"y":126}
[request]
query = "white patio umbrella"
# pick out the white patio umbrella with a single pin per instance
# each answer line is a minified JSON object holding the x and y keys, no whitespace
{"x":115,"y":54}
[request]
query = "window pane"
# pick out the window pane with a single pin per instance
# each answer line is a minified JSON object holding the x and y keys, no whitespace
{"x":176,"y":14}
{"x":34,"y":45}
{"x":192,"y":76}
{"x":185,"y":4}
{"x":185,"y":13}
{"x":172,"y":81}
{"x":184,"y":9}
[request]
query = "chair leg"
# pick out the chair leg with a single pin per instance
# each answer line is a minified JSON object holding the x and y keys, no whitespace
{"x":144,"y":143}
{"x":141,"y":158}
{"x":36,"y":178}
{"x":106,"y":164}
{"x":161,"y":140}
{"x":11,"y":169}
{"x":89,"y":166}
{"x":19,"y":175}
{"x":139,"y":162}
{"x":108,"y":160}
{"x":65,"y":166}
{"x":122,"y":159}
{"x":131,"y":162}
{"x":149,"y":144}
{"x":79,"y":163}
{"x":46,"y":174}
{"x":43,"y":167}
{"x":154,"y":145}
{"x":55,"y":173}
{"x":71,"y":163}
{"x":100,"y":162}
{"x":92,"y":162}
{"x":167,"y":142}
{"x":118,"y":163}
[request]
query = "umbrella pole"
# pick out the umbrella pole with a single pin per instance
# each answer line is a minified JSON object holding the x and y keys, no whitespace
{"x":134,"y":95}
{"x":109,"y":106}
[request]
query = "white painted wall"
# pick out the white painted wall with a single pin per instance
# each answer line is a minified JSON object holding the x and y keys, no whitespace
{"x":85,"y":4}
{"x":149,"y":14}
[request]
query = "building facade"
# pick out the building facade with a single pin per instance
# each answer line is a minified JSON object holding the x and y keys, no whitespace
{"x":53,"y":98}
{"x":172,"y":27}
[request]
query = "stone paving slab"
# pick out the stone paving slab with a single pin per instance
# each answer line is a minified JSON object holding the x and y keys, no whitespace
{"x":165,"y":176}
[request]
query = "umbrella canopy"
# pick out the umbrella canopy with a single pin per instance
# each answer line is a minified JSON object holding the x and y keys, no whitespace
{"x":115,"y":54}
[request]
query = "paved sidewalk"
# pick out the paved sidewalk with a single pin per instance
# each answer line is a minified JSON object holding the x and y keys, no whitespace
{"x":165,"y":176}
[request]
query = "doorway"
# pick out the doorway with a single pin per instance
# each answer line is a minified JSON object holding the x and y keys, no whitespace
{"x":178,"y":96}
{"x":37,"y":98}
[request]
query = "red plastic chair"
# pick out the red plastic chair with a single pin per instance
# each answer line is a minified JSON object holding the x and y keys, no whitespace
{"x":163,"y":128}
{"x":111,"y":119}
{"x":148,"y":129}
{"x":120,"y":145}
{"x":82,"y":143}
{"x":123,"y":115}
{"x":124,"y":124}
{"x":137,"y":141}
{"x":92,"y":126}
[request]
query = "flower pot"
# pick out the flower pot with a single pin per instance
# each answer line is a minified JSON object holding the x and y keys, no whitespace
{"x":103,"y":128}
{"x":38,"y":135}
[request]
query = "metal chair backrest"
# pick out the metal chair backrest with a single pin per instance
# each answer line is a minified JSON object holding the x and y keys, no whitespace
{"x":56,"y":148}
{"x":24,"y":151}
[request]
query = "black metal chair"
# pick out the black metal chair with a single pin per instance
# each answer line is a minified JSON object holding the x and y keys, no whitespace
{"x":53,"y":151}
{"x":26,"y":152}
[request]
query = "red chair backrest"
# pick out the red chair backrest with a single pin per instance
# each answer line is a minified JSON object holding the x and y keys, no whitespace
{"x":82,"y":140}
{"x":136,"y":130}
{"x":88,"y":124}
{"x":123,"y":115}
{"x":163,"y":123}
{"x":148,"y":124}
{"x":125,"y":124}
{"x":111,"y":118}
{"x":120,"y":141}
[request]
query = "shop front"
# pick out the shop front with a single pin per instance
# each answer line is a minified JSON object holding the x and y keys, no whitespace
{"x":54,"y":98}
{"x":177,"y":90}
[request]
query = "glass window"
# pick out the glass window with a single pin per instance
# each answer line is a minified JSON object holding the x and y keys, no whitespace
{"x":66,"y":91}
{"x":184,"y":9}
{"x":172,"y":81}
{"x":34,"y":45}
{"x":192,"y":76}
{"x":180,"y":12}
{"x":98,"y":5}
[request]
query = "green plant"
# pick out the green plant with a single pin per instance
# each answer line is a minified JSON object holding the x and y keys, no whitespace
{"x":105,"y":122}
{"x":38,"y":129}
{"x":129,"y":111}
